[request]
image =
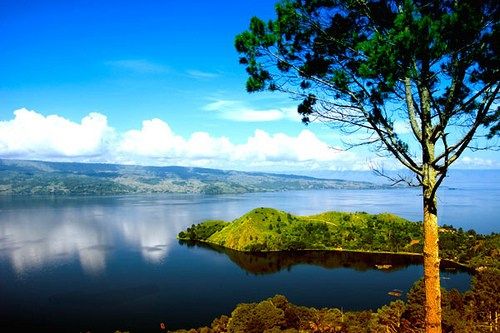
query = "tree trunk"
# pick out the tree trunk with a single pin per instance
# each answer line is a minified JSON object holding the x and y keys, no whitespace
{"x":431,"y":253}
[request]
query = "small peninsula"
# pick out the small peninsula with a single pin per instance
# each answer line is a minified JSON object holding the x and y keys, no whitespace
{"x":268,"y":229}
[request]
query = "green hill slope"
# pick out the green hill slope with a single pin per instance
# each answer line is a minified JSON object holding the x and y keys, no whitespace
{"x":267,"y":229}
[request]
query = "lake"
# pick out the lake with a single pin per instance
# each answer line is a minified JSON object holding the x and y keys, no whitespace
{"x":106,"y":263}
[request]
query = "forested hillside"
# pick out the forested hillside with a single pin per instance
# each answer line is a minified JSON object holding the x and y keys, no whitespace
{"x":36,"y":177}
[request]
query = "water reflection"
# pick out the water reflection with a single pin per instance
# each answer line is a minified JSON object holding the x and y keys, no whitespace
{"x":272,"y":262}
{"x":54,"y":234}
{"x":152,"y":238}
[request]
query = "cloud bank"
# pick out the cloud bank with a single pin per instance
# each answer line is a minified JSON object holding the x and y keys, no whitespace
{"x":31,"y":135}
{"x":156,"y":143}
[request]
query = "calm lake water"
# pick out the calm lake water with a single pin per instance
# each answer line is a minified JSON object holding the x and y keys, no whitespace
{"x":106,"y":263}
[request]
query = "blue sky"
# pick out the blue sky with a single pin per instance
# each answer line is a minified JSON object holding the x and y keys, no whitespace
{"x":151,"y":82}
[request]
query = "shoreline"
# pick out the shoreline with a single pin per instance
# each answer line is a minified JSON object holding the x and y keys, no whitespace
{"x":444,"y":261}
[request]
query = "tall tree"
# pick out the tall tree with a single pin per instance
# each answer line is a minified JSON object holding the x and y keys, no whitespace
{"x":366,"y":65}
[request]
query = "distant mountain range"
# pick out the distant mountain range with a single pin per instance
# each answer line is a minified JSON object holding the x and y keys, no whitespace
{"x":20,"y":177}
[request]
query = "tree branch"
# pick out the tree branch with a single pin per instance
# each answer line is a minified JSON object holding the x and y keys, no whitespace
{"x":411,"y":110}
{"x":461,"y":145}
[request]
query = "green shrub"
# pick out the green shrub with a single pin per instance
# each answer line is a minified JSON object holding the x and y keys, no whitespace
{"x":253,"y":318}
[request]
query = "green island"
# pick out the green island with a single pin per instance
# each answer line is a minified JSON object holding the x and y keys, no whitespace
{"x":266,"y":232}
{"x":268,"y":229}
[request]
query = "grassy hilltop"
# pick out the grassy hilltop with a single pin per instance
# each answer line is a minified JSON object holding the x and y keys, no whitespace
{"x":267,"y":229}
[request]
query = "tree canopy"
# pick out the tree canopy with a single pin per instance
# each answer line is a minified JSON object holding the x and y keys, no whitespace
{"x":365,"y":64}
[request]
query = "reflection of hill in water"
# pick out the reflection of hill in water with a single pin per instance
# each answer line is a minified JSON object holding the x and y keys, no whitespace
{"x":273,"y":262}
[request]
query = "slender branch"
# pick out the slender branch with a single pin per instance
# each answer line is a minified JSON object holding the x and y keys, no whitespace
{"x":397,"y":179}
{"x":471,"y":99}
{"x":402,"y":158}
{"x":411,"y":110}
{"x":462,"y":144}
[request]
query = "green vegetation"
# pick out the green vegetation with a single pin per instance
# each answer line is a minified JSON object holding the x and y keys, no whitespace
{"x":267,"y":229}
{"x":204,"y":230}
{"x":468,"y":247}
{"x":471,"y":312}
{"x":53,"y":178}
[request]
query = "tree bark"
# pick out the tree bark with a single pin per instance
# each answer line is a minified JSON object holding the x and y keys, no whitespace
{"x":431,"y":253}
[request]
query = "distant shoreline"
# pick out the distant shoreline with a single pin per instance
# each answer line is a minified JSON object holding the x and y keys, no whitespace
{"x":19,"y":177}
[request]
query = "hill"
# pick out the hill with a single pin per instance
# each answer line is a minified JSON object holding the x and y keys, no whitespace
{"x":267,"y":229}
{"x":36,"y":177}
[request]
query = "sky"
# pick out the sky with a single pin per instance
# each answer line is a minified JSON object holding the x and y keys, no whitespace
{"x":155,"y":83}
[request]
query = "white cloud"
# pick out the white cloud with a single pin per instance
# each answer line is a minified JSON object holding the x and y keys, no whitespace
{"x":154,"y":139}
{"x":157,"y":140}
{"x":140,"y":66}
{"x":221,"y":104}
{"x":401,"y":127}
{"x":32,"y":134}
{"x":239,"y":111}
{"x":306,"y":147}
{"x":197,"y":74}
{"x":202,"y":146}
{"x":476,"y":162}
